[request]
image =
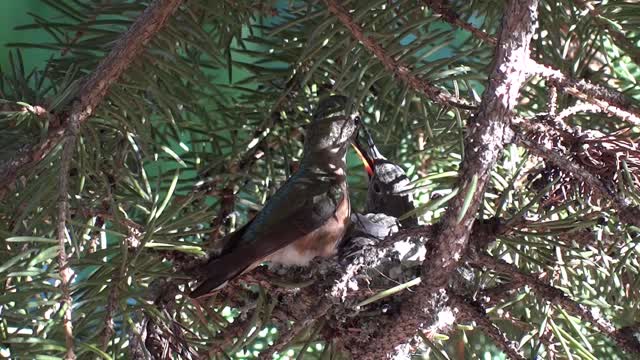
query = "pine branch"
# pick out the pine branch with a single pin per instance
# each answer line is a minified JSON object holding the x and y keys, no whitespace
{"x":557,"y":296}
{"x":619,"y":38}
{"x":76,"y":37}
{"x":95,"y":87}
{"x":112,"y":303}
{"x":319,"y":310}
{"x":443,"y":8}
{"x":66,"y":273}
{"x":526,"y":135}
{"x":400,"y":70}
{"x":475,"y":312}
{"x":482,"y":147}
{"x":609,"y":101}
{"x":484,"y":143}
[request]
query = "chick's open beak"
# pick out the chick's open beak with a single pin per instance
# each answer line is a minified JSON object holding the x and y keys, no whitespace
{"x":369,"y":153}
{"x":364,"y":156}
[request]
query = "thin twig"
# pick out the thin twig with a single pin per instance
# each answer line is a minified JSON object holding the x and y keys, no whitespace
{"x":609,"y":101}
{"x":475,"y":312}
{"x":443,"y":8}
{"x":557,"y":296}
{"x":229,"y":333}
{"x":553,"y":101}
{"x":494,"y":295}
{"x":626,"y":212}
{"x":618,"y":37}
{"x":133,"y":237}
{"x":95,"y":87}
{"x":573,"y":110}
{"x":227,"y":196}
{"x":400,"y":70}
{"x":112,"y":302}
{"x":66,"y":273}
{"x":81,"y":32}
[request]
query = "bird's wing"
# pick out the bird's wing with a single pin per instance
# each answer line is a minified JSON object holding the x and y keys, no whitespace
{"x":293,"y":212}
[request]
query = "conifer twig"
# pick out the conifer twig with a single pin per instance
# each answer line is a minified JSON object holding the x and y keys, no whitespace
{"x":81,"y":32}
{"x":475,"y":312}
{"x":626,"y":212}
{"x":95,"y":87}
{"x":318,"y":311}
{"x":558,"y":297}
{"x":112,"y":301}
{"x":66,"y":273}
{"x":618,"y":37}
{"x":609,"y":101}
{"x":443,"y":8}
{"x":400,"y":70}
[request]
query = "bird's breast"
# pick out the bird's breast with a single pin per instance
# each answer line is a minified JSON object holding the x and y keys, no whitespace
{"x":322,"y":241}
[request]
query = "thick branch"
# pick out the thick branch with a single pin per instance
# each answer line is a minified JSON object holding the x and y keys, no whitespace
{"x":400,"y":70}
{"x":485,"y":141}
{"x":556,"y":296}
{"x":95,"y":87}
{"x":482,"y":146}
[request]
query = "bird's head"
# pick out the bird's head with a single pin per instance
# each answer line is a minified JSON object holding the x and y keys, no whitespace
{"x":332,"y":129}
{"x":386,"y":177}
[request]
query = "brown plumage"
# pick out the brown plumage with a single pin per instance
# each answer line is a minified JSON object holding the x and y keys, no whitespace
{"x":309,"y":213}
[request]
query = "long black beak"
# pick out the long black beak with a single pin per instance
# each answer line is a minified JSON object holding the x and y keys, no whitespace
{"x":368,"y":154}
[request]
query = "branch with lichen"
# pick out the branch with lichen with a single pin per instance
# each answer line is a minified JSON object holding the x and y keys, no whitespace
{"x":611,"y":102}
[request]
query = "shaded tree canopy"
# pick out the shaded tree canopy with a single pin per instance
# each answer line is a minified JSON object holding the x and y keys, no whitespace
{"x":155,"y":128}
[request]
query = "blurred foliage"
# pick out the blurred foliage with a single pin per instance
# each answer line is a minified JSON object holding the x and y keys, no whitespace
{"x":217,"y":103}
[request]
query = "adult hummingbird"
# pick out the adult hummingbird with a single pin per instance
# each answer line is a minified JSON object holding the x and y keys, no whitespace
{"x":389,"y":190}
{"x":307,"y":216}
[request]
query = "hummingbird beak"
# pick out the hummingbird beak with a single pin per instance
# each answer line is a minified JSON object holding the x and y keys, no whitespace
{"x":368,"y":154}
{"x":364,"y":156}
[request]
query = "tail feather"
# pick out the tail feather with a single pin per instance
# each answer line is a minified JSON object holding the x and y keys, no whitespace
{"x":221,"y":270}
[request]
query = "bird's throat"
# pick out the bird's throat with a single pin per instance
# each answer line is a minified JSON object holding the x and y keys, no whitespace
{"x":325,"y":165}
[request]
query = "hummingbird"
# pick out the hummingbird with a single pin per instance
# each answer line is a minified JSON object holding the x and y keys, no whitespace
{"x":307,"y":216}
{"x":389,"y":189}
